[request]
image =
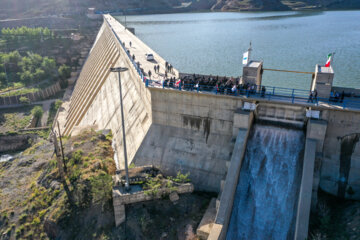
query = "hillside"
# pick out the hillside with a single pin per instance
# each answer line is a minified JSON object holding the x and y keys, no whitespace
{"x":38,"y":202}
{"x":12,"y":9}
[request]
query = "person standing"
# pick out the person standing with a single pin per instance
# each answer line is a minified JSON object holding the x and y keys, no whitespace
{"x":315,"y":95}
{"x":310,"y":97}
{"x":342,"y":96}
{"x":263,"y":91}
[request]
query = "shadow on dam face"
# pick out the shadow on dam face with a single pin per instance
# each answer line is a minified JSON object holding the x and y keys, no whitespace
{"x":348,"y":144}
{"x":266,"y":198}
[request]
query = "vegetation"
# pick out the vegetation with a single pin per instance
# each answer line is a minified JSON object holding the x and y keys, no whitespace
{"x":154,"y":184}
{"x":89,"y":169}
{"x":24,"y":100}
{"x":21,"y":34}
{"x":26,"y":70}
{"x":64,"y":72}
{"x":37,"y":112}
{"x":181,"y":178}
{"x":53,"y":110}
{"x":14,"y":120}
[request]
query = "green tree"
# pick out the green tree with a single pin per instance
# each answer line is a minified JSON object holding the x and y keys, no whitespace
{"x":26,"y":64}
{"x":39,"y":75}
{"x":26,"y":77}
{"x":2,"y":80}
{"x":36,"y":60}
{"x":37,"y":112}
{"x":64,"y":72}
{"x":48,"y":65}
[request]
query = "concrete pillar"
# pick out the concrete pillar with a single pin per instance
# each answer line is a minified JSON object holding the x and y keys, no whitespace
{"x":316,"y":129}
{"x":304,"y":202}
{"x":252,"y":73}
{"x":242,"y":119}
{"x":119,"y":211}
{"x":242,"y":123}
{"x":323,"y":81}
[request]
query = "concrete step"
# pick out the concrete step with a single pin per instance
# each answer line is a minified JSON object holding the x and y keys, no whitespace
{"x":207,"y":221}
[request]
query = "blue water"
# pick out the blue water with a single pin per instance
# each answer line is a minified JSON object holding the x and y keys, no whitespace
{"x":213,"y":43}
{"x":265,"y":203}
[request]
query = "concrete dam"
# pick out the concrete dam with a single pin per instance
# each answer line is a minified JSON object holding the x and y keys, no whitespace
{"x":256,"y":147}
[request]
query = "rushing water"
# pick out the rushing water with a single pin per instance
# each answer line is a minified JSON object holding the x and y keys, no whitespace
{"x":6,"y":157}
{"x":266,"y":196}
{"x":213,"y":43}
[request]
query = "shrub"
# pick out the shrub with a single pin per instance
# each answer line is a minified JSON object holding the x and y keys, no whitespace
{"x":22,"y":218}
{"x":24,"y":100}
{"x":181,"y":178}
{"x":58,"y":104}
{"x":101,"y":187}
{"x":36,"y":221}
{"x":77,"y":156}
{"x":64,"y":71}
{"x":37,"y":112}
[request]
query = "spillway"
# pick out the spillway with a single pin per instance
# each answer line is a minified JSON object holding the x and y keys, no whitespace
{"x":266,"y":197}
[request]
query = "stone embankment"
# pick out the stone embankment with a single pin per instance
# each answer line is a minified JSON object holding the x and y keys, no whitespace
{"x":33,"y":97}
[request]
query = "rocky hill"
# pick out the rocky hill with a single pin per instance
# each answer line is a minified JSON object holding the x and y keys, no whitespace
{"x":11,"y":9}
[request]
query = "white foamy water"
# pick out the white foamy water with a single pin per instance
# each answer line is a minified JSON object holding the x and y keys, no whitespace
{"x":266,"y":196}
{"x":5,"y":158}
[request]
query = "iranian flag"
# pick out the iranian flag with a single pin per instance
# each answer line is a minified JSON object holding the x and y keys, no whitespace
{"x":329,"y":58}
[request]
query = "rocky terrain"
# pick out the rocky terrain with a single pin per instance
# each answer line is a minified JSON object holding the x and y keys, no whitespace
{"x":36,"y":202}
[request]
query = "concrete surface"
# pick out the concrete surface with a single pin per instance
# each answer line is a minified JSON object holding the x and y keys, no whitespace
{"x":227,"y":195}
{"x":207,"y":221}
{"x":304,"y":202}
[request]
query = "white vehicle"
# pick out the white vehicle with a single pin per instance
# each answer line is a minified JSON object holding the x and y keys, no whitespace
{"x":150,"y":57}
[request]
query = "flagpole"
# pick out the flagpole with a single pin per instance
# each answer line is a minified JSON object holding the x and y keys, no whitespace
{"x":249,"y":50}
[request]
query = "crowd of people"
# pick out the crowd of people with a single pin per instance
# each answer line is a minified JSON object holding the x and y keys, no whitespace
{"x":336,"y":96}
{"x":221,"y":85}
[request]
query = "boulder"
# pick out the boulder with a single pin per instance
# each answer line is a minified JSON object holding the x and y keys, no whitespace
{"x":174,"y":197}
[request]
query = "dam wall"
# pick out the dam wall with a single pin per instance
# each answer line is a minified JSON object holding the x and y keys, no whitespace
{"x":96,"y":97}
{"x":194,"y":132}
{"x":340,"y":165}
{"x":190,"y":133}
